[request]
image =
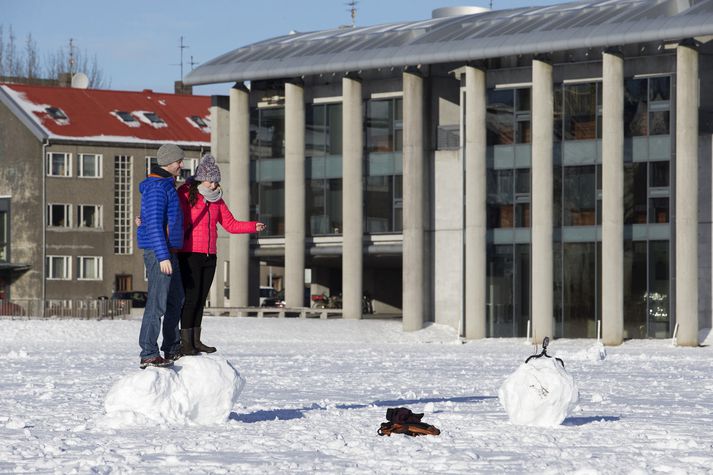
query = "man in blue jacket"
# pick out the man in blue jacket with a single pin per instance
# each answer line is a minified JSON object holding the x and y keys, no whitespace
{"x":160,"y":235}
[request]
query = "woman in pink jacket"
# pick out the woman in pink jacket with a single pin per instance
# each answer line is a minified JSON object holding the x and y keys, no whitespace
{"x":201,"y":199}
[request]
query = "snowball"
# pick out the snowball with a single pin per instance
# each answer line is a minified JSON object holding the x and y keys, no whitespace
{"x":195,"y":390}
{"x":539,"y":393}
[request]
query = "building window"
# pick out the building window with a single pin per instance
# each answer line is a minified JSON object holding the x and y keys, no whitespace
{"x":126,"y":118}
{"x":58,"y":267}
{"x":383,"y":193}
{"x":123,"y":215}
{"x":153,"y":119}
{"x":646,"y":192}
{"x":89,"y":268}
{"x":89,"y":216}
{"x":150,"y":162}
{"x":647,"y":106}
{"x":89,"y":165}
{"x":267,"y":155}
{"x":4,"y":230}
{"x":59,"y":215}
{"x":188,"y":168}
{"x":323,"y":153}
{"x":59,"y":164}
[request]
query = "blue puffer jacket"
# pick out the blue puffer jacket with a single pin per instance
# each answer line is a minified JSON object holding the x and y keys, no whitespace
{"x":161,"y":217}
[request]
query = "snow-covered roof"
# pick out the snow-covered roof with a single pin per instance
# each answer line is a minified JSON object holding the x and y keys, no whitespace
{"x":94,"y":115}
{"x":492,"y":34}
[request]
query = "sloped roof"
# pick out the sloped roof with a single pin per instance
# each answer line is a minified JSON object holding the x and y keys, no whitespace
{"x":492,"y":34}
{"x":91,"y":114}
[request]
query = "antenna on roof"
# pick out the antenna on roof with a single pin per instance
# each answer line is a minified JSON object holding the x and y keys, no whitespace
{"x":193,"y":63}
{"x":352,"y":4}
{"x":181,"y":46}
{"x":72,"y":61}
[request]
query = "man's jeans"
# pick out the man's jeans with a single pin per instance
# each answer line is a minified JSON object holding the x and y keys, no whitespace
{"x":165,"y":298}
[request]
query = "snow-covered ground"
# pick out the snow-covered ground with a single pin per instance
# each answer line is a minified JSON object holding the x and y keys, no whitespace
{"x":316,"y":392}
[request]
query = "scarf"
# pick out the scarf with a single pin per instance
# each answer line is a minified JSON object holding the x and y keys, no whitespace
{"x":210,"y":196}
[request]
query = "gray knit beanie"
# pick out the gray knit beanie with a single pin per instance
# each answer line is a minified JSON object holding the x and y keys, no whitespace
{"x":207,"y":169}
{"x":169,"y":153}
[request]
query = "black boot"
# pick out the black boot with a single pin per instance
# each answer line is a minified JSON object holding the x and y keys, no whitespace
{"x":197,"y":342}
{"x":187,"y":348}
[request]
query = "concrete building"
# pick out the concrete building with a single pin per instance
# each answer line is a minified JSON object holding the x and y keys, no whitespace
{"x":483,"y":169}
{"x":70,"y":164}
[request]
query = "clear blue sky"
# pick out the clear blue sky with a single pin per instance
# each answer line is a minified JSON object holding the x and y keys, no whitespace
{"x":136,"y":41}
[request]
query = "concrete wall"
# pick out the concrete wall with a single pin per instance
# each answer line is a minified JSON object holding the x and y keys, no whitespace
{"x":705,"y":233}
{"x":21,"y":179}
{"x":448,"y":238}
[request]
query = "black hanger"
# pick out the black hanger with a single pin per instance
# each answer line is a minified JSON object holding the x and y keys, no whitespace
{"x":545,"y":342}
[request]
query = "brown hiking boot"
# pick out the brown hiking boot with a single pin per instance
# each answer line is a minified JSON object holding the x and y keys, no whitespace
{"x":154,"y":361}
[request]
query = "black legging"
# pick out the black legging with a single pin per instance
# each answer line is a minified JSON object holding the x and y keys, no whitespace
{"x":197,"y":271}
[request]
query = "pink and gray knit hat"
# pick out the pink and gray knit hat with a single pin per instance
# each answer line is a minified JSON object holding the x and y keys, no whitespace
{"x":207,"y":169}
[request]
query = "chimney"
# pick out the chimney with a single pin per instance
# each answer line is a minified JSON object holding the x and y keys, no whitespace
{"x":182,"y":89}
{"x":65,"y":79}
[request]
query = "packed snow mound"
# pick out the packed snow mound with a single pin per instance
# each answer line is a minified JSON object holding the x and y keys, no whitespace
{"x":539,"y":393}
{"x":597,"y":352}
{"x":196,"y":390}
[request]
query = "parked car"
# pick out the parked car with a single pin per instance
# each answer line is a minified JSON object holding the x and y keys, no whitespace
{"x":268,"y":296}
{"x":137,"y":297}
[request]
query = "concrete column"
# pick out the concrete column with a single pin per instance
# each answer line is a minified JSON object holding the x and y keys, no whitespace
{"x":239,"y":194}
{"x":475,"y":203}
{"x":352,"y":198}
{"x":613,"y":200}
{"x":294,"y":194}
{"x":414,"y":204}
{"x":220,"y":148}
{"x":687,"y":195}
{"x":542,"y":128}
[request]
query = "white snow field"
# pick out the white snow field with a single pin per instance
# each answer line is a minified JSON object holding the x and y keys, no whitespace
{"x":316,"y":392}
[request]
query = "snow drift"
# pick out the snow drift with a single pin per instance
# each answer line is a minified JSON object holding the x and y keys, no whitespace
{"x":196,"y":390}
{"x":539,"y":393}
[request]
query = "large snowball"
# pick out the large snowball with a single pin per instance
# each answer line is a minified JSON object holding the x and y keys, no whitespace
{"x":539,"y":393}
{"x":196,"y":390}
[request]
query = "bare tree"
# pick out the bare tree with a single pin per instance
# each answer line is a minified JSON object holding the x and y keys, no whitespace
{"x":32,"y":60}
{"x":25,"y":63}
{"x":64,"y":61}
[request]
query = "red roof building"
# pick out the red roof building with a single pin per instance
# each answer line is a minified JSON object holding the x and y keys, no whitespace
{"x":71,"y":161}
{"x":113,"y":116}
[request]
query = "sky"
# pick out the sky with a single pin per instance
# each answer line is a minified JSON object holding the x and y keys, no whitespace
{"x":137,"y":41}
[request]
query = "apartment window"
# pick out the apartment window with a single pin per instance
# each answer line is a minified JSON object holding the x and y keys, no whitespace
{"x":58,"y":267}
{"x":150,"y":162}
{"x":188,"y":168}
{"x":89,"y":268}
{"x":123,"y":232}
{"x":59,"y":164}
{"x":89,"y":216}
{"x":59,"y":215}
{"x":127,"y":118}
{"x":4,"y":230}
{"x":89,"y":165}
{"x":198,"y":120}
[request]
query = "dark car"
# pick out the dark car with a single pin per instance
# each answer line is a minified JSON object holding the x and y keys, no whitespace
{"x":137,"y":297}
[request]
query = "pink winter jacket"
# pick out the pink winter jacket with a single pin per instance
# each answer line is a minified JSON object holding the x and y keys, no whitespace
{"x":200,"y":223}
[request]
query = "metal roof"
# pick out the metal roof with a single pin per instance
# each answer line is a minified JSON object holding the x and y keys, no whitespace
{"x":532,"y":30}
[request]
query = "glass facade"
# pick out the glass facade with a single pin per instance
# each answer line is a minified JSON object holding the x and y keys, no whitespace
{"x":577,"y":197}
{"x":267,"y":155}
{"x":323,"y":154}
{"x":508,"y":122}
{"x":383,"y":193}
